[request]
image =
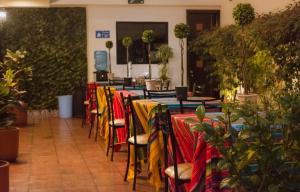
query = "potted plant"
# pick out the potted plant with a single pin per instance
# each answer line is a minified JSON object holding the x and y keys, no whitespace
{"x":163,"y":54}
{"x":109,"y":46}
{"x":265,"y":146}
{"x":243,"y":15}
{"x":181,"y":32}
{"x":9,"y":96}
{"x":148,"y":38}
{"x":127,"y":42}
{"x":65,"y":97}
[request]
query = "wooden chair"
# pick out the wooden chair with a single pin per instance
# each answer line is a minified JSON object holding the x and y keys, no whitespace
{"x":95,"y":112}
{"x":159,"y":94}
{"x":194,"y":103}
{"x":113,"y":124}
{"x":179,"y":172}
{"x":136,"y":140}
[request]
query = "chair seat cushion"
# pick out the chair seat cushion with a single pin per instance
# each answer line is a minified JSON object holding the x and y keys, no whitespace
{"x":141,"y":139}
{"x":118,"y":122}
{"x":94,"y":111}
{"x":184,"y":171}
{"x":86,"y":102}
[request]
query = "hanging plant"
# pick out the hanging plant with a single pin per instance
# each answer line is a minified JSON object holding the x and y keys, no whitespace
{"x":109,"y":45}
{"x":181,"y":32}
{"x":148,"y":38}
{"x":127,"y":42}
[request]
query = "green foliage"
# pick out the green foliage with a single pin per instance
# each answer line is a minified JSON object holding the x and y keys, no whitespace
{"x":127,"y":42}
{"x":109,"y":44}
{"x":181,"y":30}
{"x":148,"y":36}
{"x":55,"y":41}
{"x":163,"y":54}
{"x":266,"y":147}
{"x":12,"y":76}
{"x":243,"y":14}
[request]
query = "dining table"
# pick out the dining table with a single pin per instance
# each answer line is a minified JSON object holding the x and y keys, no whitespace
{"x":146,"y":110}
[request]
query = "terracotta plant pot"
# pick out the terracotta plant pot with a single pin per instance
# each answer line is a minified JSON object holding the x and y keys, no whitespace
{"x":252,"y":98}
{"x":151,"y":84}
{"x":9,"y":144}
{"x":4,"y":176}
{"x":20,"y":112}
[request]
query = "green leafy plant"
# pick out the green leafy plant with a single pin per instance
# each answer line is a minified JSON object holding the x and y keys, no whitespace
{"x":127,"y":42}
{"x":148,"y":38}
{"x":181,"y":32}
{"x":55,"y":41}
{"x":264,"y":147}
{"x":163,"y":54}
{"x":109,"y":45}
{"x":10,"y":84}
{"x":243,"y":14}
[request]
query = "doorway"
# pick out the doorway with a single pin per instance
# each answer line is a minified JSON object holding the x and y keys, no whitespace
{"x":199,"y":72}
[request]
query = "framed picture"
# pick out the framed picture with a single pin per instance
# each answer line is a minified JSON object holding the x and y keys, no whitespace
{"x":135,"y":1}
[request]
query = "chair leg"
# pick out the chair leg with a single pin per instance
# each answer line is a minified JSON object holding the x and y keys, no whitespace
{"x":166,"y":183}
{"x":83,"y":124}
{"x":97,"y":127}
{"x":128,"y":162}
{"x":108,"y":144}
{"x":135,"y":168}
{"x":92,"y":125}
{"x":113,"y":144}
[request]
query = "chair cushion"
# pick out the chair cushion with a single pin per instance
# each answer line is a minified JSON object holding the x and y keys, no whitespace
{"x":118,"y":122}
{"x":184,"y":171}
{"x":94,"y":111}
{"x":141,"y":139}
{"x":86,"y":102}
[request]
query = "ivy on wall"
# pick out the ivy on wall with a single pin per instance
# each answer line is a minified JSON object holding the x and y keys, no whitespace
{"x":55,"y":41}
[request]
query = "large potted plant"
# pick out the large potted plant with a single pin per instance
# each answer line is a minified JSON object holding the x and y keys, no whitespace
{"x":264,"y":147}
{"x":127,"y":42}
{"x":243,"y":15}
{"x":148,"y":37}
{"x":9,"y":96}
{"x":163,"y":54}
{"x":109,"y":46}
{"x":181,"y":32}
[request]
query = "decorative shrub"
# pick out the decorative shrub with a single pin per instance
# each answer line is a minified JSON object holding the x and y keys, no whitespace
{"x":55,"y":41}
{"x":148,"y":38}
{"x":109,"y":45}
{"x":127,"y":42}
{"x":243,"y":14}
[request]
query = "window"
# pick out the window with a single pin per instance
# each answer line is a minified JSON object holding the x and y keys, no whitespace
{"x":138,"y":50}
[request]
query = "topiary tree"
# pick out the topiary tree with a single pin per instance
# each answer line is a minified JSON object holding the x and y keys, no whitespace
{"x":127,"y":42}
{"x":109,"y":45}
{"x":148,"y":38}
{"x":243,"y":15}
{"x":163,"y":54}
{"x":181,"y":32}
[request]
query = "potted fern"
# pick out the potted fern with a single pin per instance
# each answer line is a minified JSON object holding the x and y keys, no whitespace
{"x":163,"y":54}
{"x":181,"y":32}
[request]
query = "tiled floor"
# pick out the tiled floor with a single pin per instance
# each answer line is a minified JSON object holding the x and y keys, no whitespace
{"x":56,"y":155}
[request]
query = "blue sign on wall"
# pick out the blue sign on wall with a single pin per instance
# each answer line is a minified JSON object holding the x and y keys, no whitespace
{"x":102,"y":34}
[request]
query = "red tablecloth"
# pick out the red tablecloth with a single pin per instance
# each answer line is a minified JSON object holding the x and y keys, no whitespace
{"x":193,"y":149}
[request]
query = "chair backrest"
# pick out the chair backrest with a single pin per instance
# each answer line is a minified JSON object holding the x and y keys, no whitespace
{"x":109,"y":102}
{"x":93,"y":100}
{"x":164,"y":123}
{"x":126,"y":108}
{"x":191,"y":105}
{"x":150,"y":94}
{"x":132,"y":117}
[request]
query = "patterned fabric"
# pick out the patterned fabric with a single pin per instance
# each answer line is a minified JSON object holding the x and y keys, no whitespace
{"x":193,"y":148}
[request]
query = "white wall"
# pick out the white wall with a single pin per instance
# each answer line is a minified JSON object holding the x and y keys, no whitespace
{"x":24,"y":3}
{"x":102,"y":15}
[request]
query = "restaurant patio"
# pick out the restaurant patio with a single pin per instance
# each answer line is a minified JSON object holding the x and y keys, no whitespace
{"x":147,"y":95}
